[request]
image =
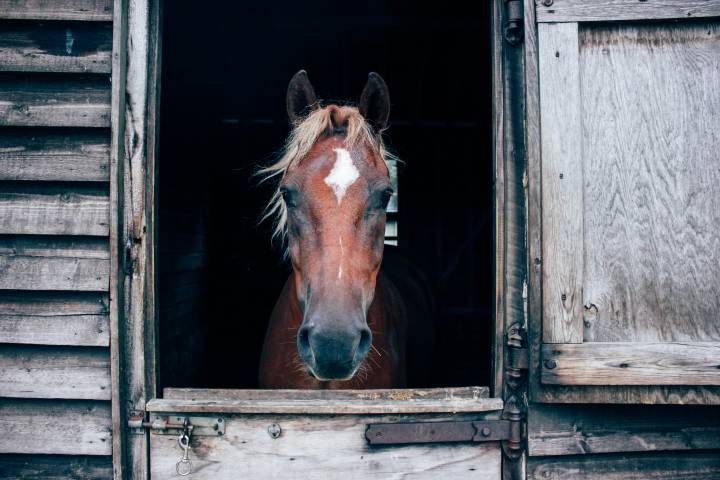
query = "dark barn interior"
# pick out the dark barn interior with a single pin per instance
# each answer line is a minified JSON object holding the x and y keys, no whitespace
{"x":224,"y":75}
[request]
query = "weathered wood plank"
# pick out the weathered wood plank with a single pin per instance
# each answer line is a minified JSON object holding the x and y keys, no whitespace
{"x":79,"y":319}
{"x":656,"y":466}
{"x":652,"y":205}
{"x":55,"y":47}
{"x":562,"y":183}
{"x":55,"y":155}
{"x":54,"y":372}
{"x":590,"y":429}
{"x":69,"y":427}
{"x":55,"y":467}
{"x":326,"y":447}
{"x":68,"y":210}
{"x":84,"y":10}
{"x":46,"y":263}
{"x":54,"y":101}
{"x":617,"y":10}
{"x":632,"y":363}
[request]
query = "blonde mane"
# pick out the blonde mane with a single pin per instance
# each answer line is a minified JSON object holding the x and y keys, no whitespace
{"x":298,"y":144}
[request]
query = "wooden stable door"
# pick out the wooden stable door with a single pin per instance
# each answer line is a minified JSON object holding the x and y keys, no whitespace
{"x":627,"y":257}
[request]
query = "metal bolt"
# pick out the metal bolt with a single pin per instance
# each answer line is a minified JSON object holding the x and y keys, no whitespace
{"x":274,"y":430}
{"x":485,"y":431}
{"x":550,"y":364}
{"x":563,"y":297}
{"x":562,"y":175}
{"x":548,"y":3}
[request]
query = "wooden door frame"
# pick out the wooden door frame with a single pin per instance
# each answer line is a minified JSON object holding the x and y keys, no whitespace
{"x":135,"y":101}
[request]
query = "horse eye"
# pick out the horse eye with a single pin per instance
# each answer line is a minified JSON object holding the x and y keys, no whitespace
{"x":288,"y":196}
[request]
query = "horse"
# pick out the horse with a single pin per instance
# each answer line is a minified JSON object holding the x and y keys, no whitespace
{"x":339,"y":322}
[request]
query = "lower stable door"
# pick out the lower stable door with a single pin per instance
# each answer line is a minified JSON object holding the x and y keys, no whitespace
{"x":451,"y":433}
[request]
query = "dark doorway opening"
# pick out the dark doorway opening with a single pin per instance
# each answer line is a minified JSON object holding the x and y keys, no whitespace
{"x":224,"y":74}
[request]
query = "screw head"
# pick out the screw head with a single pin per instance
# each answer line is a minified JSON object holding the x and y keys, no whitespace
{"x":485,"y":431}
{"x":547,"y":3}
{"x":550,"y":364}
{"x":274,"y":430}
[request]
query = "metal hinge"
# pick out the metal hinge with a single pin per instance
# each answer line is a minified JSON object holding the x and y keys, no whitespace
{"x":513,"y":24}
{"x":176,"y":424}
{"x":439,"y":432}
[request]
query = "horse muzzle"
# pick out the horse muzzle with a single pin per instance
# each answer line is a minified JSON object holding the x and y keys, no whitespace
{"x":333,"y":353}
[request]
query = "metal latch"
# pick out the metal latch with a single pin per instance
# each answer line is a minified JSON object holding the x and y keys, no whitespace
{"x":176,"y":424}
{"x":513,"y":28}
{"x":438,"y":432}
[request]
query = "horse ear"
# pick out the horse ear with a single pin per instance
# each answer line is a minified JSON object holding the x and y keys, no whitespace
{"x":375,"y":102}
{"x":300,"y":96}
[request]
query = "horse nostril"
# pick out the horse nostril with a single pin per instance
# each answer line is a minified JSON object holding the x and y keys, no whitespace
{"x":304,"y":338}
{"x":365,"y":342}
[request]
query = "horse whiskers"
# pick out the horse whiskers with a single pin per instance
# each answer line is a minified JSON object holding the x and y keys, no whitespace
{"x":375,"y":349}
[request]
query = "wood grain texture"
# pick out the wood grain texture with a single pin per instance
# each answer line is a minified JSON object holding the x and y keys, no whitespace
{"x":656,"y":466}
{"x":54,"y":372}
{"x":589,"y":429}
{"x":85,"y":10}
{"x":46,"y":263}
{"x":54,"y":101}
{"x":324,"y":447}
{"x":632,"y":363}
{"x":617,"y":10}
{"x":55,"y":47}
{"x":468,"y":399}
{"x":562,"y":183}
{"x":55,"y":467}
{"x":68,"y":427}
{"x":79,"y":319}
{"x":65,"y":210}
{"x":651,"y":108}
{"x":55,"y":155}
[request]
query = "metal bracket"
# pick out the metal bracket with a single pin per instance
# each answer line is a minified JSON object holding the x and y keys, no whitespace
{"x":175,"y":425}
{"x":513,"y":25}
{"x":438,"y":432}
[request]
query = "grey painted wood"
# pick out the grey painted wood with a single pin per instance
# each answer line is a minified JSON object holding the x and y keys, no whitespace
{"x":54,"y":372}
{"x":56,"y":155}
{"x":55,"y":467}
{"x":591,"y":429}
{"x":62,"y":318}
{"x":85,"y":10}
{"x":37,"y":263}
{"x":54,"y":211}
{"x":632,"y":363}
{"x":323,"y":447}
{"x":616,"y":10}
{"x":469,"y":399}
{"x":55,"y":47}
{"x":54,"y":101}
{"x":562,"y":182}
{"x":651,"y":108}
{"x":656,"y":466}
{"x":67,"y":427}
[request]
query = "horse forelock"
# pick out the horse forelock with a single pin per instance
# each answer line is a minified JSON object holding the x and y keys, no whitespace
{"x":345,"y":120}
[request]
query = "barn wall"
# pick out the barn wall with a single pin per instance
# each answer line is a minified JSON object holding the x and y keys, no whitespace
{"x":55,"y":413}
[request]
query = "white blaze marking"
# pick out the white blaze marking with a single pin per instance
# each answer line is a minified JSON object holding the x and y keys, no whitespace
{"x":343,"y":173}
{"x":342,"y":253}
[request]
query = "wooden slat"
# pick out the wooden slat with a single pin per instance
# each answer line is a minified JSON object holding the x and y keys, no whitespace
{"x":55,"y":467}
{"x":467,"y":399}
{"x":67,"y":210}
{"x":45,"y":263}
{"x":85,"y":10}
{"x":589,"y":429}
{"x":54,"y":372}
{"x":616,"y":10}
{"x":55,"y":47}
{"x":55,"y":155}
{"x":68,"y":427}
{"x":322,"y":447}
{"x":632,"y":363}
{"x":562,"y":183}
{"x":79,"y":319}
{"x":54,"y":101}
{"x":655,"y":466}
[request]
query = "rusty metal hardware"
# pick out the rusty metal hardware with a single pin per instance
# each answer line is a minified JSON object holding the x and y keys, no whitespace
{"x":176,"y":424}
{"x":438,"y":432}
{"x":184,"y":466}
{"x":513,"y":25}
